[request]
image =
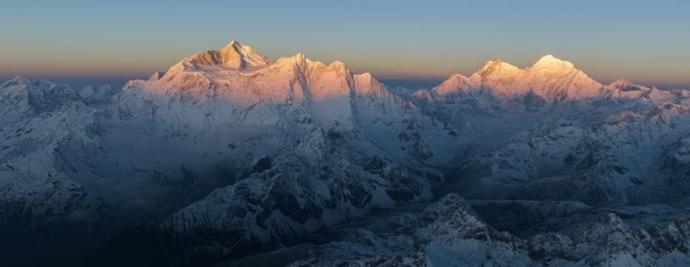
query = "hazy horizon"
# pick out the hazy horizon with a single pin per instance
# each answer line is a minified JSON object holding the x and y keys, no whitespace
{"x":403,"y":42}
{"x":77,"y":82}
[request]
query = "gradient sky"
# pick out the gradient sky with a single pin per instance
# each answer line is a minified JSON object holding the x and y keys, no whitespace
{"x":646,"y":41}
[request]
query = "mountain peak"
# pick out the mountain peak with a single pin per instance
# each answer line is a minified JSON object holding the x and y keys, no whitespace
{"x":299,"y":57}
{"x":337,"y":64}
{"x":549,"y":57}
{"x":492,"y":66}
{"x":496,"y":63}
{"x":552,"y":63}
{"x":234,"y":56}
{"x":366,"y":83}
{"x":621,"y":81}
{"x":454,"y":84}
{"x":626,"y":85}
{"x":234,"y":44}
{"x":550,"y":77}
{"x":15,"y":80}
{"x":241,"y":56}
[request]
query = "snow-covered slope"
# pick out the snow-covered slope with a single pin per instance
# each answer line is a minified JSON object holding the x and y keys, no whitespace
{"x":40,"y":205}
{"x":551,"y":132}
{"x":449,"y":232}
{"x":229,"y":153}
{"x":38,"y":117}
{"x":326,"y":144}
{"x":603,"y":152}
{"x":549,"y":78}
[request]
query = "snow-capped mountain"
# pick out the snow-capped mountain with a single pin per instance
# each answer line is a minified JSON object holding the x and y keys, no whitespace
{"x":551,"y":132}
{"x":313,"y":143}
{"x":549,"y":78}
{"x":328,"y":144}
{"x":232,"y":156}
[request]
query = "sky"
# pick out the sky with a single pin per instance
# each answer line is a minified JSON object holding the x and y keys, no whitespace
{"x":421,"y":42}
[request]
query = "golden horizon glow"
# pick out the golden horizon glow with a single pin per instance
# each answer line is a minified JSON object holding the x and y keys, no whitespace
{"x":643,"y":41}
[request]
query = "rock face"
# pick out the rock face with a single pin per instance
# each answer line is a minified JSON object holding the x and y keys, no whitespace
{"x":449,"y":233}
{"x":229,"y":156}
{"x":233,"y":56}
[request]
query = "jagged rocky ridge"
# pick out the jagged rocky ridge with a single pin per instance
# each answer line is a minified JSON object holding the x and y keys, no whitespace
{"x":449,"y":232}
{"x":229,"y":153}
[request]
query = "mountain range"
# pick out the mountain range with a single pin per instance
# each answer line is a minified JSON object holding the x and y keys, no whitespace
{"x":230,"y":158}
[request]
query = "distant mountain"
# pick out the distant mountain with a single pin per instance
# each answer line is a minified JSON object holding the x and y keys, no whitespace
{"x":550,"y":78}
{"x":230,"y":156}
